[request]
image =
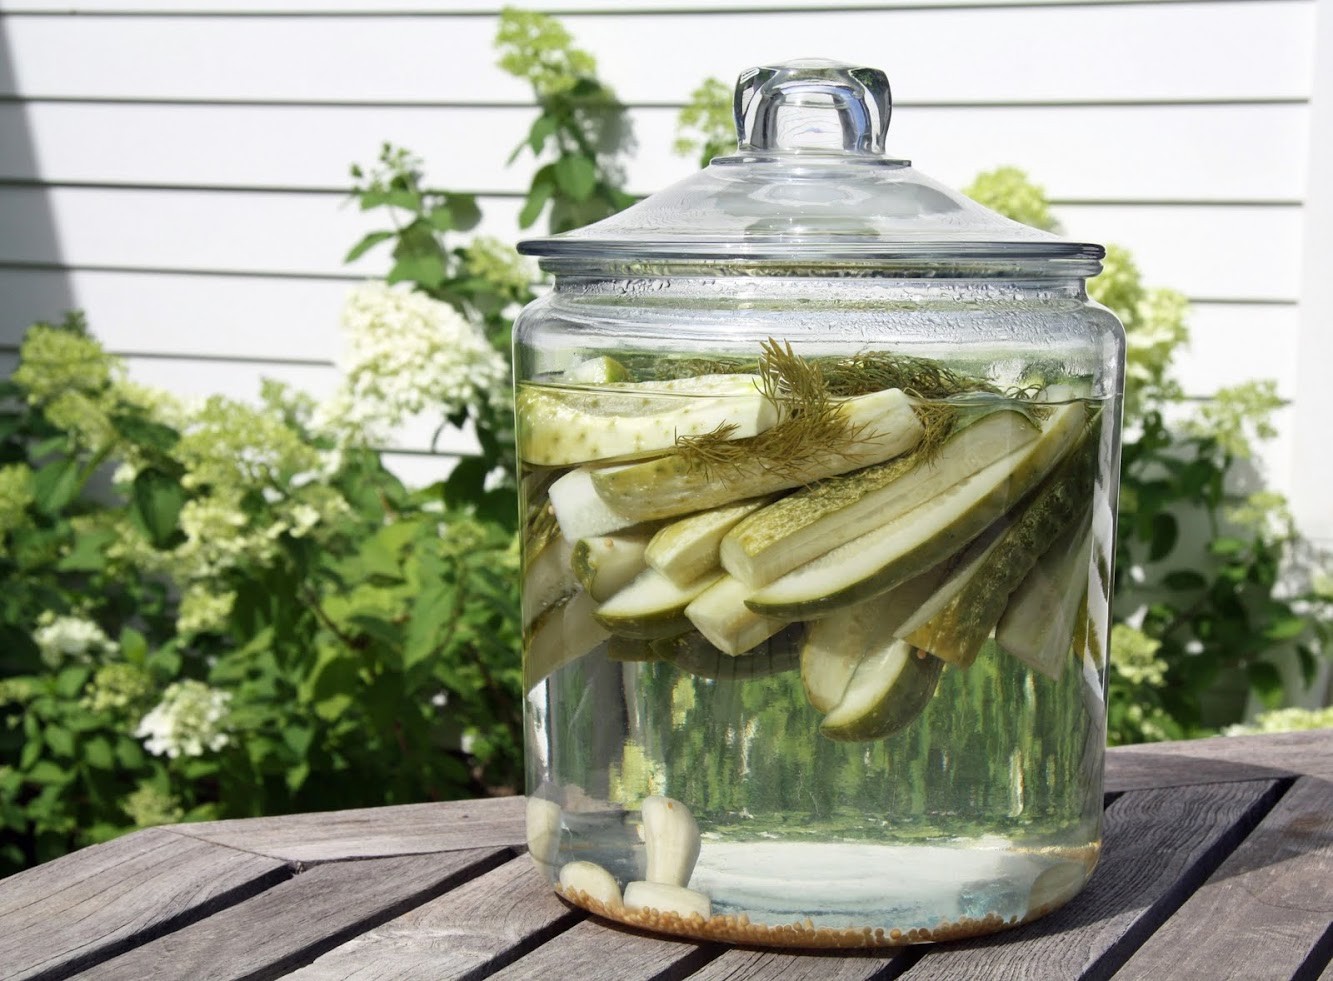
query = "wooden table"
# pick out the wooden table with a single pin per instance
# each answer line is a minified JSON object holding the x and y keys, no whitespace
{"x":1218,"y":863}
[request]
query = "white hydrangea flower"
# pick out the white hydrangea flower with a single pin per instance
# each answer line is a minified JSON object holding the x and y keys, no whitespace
{"x":70,"y":638}
{"x":188,"y":721}
{"x":408,"y":355}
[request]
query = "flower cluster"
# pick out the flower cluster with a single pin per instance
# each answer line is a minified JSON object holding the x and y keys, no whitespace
{"x":407,"y":354}
{"x":118,"y":687}
{"x":15,"y":496}
{"x":500,"y":266}
{"x":1284,"y":720}
{"x":538,"y":48}
{"x":66,"y":639}
{"x":149,"y":806}
{"x":190,"y":719}
{"x":1237,"y":416}
{"x":706,"y":126}
{"x":1009,"y":191}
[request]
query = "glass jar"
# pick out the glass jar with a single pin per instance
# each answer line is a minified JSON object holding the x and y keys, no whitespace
{"x":819,"y":466}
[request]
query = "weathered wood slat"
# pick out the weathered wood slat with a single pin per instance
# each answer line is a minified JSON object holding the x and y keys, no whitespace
{"x":298,"y":920}
{"x":593,"y":951}
{"x":758,"y":965}
{"x":1221,"y":758}
{"x":88,"y":906}
{"x":373,"y":831}
{"x":1268,"y":904}
{"x":1159,"y":844}
{"x":471,"y":930}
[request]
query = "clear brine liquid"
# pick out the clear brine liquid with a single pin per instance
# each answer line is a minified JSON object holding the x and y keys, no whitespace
{"x":979,"y":807}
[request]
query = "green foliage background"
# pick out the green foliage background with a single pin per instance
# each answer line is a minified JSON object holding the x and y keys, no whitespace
{"x":229,"y":609}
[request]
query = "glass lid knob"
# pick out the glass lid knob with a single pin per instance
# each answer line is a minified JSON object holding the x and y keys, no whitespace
{"x":813,"y":105}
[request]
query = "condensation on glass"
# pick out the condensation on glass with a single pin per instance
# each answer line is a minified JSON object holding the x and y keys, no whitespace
{"x":819,"y":463}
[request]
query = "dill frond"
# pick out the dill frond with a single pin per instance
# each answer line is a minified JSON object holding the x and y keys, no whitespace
{"x":921,"y":378}
{"x":810,"y":426}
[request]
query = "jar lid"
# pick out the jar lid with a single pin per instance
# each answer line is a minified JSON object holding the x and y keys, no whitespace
{"x":809,"y":185}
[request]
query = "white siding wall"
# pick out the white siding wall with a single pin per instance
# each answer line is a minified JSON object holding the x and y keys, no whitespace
{"x":178,"y":168}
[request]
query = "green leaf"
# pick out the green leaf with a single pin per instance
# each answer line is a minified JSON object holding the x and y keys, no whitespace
{"x":537,"y":198}
{"x":467,"y":215}
{"x":133,"y":646}
{"x":368,"y":242}
{"x":88,"y":553}
{"x":425,"y":270}
{"x":576,"y":175}
{"x":139,"y":429}
{"x":97,"y":751}
{"x":44,"y":771}
{"x":430,"y":614}
{"x":1286,"y":628}
{"x":129,"y":754}
{"x":543,"y":128}
{"x":1225,"y":546}
{"x":57,"y":484}
{"x":157,"y":499}
{"x":441,"y":218}
{"x":61,"y":741}
{"x":1165,"y":532}
{"x":70,"y":681}
{"x":1266,"y":682}
{"x":1184,"y":579}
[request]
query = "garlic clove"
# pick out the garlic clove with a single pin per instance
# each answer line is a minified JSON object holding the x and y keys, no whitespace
{"x":671,"y":838}
{"x":668,"y":899}
{"x":1055,"y":886}
{"x":543,"y":831}
{"x":593,"y":881}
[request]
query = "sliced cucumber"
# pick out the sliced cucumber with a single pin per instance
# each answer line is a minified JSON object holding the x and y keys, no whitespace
{"x":687,"y":548}
{"x":817,"y":519}
{"x":566,"y":426}
{"x":651,"y":606}
{"x":889,"y":689}
{"x":606,"y":564}
{"x":957,"y":632}
{"x":597,"y":371}
{"x":560,"y":636}
{"x":671,"y":485}
{"x":1037,"y":626}
{"x":904,"y":548}
{"x":579,"y":512}
{"x":547,"y":578}
{"x":720,"y":614}
{"x":631,"y":649}
{"x":835,"y":644}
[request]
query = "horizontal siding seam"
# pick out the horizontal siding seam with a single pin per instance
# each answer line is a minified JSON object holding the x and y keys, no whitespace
{"x":346,"y":192}
{"x":224,"y":102}
{"x":719,"y":9}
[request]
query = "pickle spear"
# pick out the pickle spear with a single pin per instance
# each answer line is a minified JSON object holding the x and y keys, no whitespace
{"x":566,"y":426}
{"x":882,"y":425}
{"x":904,"y":548}
{"x":720,"y":614}
{"x":1038,"y":625}
{"x":957,"y":632}
{"x":651,"y":606}
{"x":815,"y":520}
{"x":887,"y":692}
{"x":605,"y":564}
{"x":687,"y":548}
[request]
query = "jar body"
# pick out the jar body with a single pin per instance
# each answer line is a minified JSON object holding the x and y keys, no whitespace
{"x":884,"y":727}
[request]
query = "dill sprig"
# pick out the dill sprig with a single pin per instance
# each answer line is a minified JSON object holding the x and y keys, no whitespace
{"x":810,"y":425}
{"x":921,"y":378}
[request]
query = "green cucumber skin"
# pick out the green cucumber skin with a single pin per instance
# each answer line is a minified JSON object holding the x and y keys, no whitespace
{"x":958,"y":632}
{"x":911,"y":694}
{"x":806,"y":524}
{"x":671,"y":486}
{"x":928,"y":553}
